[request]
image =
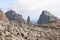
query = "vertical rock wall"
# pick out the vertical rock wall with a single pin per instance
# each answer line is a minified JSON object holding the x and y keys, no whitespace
{"x":46,"y":17}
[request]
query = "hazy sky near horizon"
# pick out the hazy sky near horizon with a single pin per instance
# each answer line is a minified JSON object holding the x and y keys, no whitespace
{"x":32,"y":8}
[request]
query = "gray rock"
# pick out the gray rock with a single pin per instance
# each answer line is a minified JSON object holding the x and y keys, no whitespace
{"x":11,"y":15}
{"x":28,"y":20}
{"x":46,"y":17}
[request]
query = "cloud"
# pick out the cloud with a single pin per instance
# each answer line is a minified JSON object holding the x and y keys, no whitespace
{"x":5,"y":4}
{"x":33,"y":8}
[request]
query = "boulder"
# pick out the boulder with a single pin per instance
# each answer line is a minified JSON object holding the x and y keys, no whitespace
{"x":46,"y":17}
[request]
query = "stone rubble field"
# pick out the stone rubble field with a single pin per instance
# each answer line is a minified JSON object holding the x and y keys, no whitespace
{"x":15,"y":31}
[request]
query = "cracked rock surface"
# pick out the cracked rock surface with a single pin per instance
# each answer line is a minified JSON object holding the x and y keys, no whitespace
{"x":15,"y":31}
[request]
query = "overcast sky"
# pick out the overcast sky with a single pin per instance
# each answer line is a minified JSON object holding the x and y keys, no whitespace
{"x":32,"y":8}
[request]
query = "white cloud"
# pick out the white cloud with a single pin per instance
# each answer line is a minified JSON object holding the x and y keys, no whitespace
{"x":33,"y":8}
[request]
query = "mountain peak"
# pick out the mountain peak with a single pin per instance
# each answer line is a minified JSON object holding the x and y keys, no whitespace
{"x":47,"y":13}
{"x":46,"y":17}
{"x":12,"y":15}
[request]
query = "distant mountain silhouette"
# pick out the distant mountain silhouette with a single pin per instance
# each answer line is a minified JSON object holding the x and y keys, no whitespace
{"x":46,"y":17}
{"x":12,"y":15}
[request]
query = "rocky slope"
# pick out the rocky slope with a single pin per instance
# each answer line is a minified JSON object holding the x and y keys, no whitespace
{"x":15,"y":31}
{"x":2,"y":16}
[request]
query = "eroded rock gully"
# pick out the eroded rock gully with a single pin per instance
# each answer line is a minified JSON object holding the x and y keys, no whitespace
{"x":12,"y":31}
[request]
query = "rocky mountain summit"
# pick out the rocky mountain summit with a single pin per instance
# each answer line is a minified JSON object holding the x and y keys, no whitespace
{"x":46,"y":17}
{"x":13,"y":16}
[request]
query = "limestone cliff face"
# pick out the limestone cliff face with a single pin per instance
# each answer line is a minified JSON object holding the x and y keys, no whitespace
{"x":12,"y":15}
{"x":46,"y":17}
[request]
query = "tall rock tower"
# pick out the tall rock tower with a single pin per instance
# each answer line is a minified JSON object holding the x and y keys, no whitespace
{"x":28,"y":20}
{"x":46,"y":17}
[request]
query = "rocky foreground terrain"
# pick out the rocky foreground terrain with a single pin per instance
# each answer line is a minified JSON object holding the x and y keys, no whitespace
{"x":12,"y":30}
{"x":15,"y":31}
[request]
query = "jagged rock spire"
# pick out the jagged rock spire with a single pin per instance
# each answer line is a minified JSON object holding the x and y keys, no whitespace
{"x":28,"y":20}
